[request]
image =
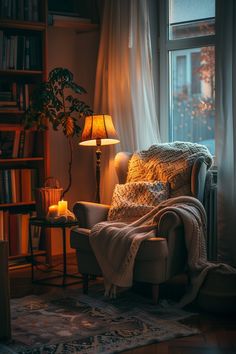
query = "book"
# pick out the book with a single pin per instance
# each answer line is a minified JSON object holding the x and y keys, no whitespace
{"x":20,"y":52}
{"x":18,"y":185}
{"x":1,"y":187}
{"x":16,"y":144}
{"x":13,"y":235}
{"x":27,"y":54}
{"x":26,"y":188}
{"x":7,"y":192}
{"x":13,"y":185}
{"x":23,"y":235}
{"x":35,"y":10}
{"x":1,"y":225}
{"x":1,"y":48}
{"x":21,"y":143}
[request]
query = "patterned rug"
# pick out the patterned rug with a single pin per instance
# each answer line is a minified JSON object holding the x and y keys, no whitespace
{"x":70,"y":322}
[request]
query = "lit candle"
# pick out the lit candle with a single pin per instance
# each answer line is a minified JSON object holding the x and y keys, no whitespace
{"x":62,"y":207}
{"x":53,"y":211}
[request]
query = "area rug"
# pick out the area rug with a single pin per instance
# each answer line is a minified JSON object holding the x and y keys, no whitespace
{"x":70,"y":322}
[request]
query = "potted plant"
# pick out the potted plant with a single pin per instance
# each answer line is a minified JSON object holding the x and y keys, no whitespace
{"x":56,"y":102}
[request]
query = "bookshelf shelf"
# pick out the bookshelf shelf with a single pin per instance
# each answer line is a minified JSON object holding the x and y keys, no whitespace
{"x":16,"y":112}
{"x":15,"y":73}
{"x":15,"y":205}
{"x":22,"y":25}
{"x":21,"y":160}
{"x":23,"y":154}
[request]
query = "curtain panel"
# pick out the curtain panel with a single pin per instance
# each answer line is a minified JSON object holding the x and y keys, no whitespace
{"x":125,"y":80}
{"x":226,"y":128}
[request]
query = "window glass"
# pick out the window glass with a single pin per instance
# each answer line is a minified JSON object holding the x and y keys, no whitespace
{"x":191,"y":18}
{"x":192,"y":95}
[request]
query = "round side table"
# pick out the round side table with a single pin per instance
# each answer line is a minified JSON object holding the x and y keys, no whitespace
{"x":43,"y":223}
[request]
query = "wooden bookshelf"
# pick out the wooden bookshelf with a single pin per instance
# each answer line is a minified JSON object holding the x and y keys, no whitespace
{"x":23,"y":64}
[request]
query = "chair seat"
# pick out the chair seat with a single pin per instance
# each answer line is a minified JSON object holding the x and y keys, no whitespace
{"x":149,"y":249}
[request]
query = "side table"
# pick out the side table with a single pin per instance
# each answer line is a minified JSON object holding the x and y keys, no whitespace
{"x":43,"y":223}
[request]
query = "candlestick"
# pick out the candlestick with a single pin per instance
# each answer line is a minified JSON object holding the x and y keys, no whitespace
{"x":53,"y":211}
{"x":62,"y":207}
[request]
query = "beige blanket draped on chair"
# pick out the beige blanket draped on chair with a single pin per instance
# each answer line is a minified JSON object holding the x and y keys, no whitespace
{"x":116,"y":244}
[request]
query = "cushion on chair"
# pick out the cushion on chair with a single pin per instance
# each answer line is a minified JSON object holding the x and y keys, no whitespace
{"x":170,"y":162}
{"x":130,"y":201}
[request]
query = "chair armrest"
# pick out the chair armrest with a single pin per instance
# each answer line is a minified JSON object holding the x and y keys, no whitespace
{"x":171,"y":227}
{"x":90,"y":214}
{"x":168,"y":222}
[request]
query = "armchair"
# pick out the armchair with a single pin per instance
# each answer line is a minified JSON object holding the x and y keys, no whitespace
{"x":158,"y":259}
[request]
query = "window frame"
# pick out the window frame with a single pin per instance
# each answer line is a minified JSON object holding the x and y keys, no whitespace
{"x":165,"y":46}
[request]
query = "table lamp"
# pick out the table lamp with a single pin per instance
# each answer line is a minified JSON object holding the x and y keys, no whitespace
{"x":98,"y":130}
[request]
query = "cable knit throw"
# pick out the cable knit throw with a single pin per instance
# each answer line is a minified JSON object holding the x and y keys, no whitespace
{"x":115,"y":244}
{"x":170,"y":162}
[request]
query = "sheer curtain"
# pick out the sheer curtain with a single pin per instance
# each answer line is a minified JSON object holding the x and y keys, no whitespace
{"x":226,"y":128}
{"x":124,"y":80}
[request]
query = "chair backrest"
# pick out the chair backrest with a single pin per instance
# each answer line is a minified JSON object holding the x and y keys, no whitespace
{"x":198,"y":173}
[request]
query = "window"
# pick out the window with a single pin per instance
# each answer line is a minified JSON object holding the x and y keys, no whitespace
{"x":187,"y":38}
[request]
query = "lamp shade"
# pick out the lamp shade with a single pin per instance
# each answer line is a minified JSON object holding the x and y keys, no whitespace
{"x":99,"y":130}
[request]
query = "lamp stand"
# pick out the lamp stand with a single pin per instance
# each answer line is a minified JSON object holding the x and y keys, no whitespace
{"x":98,"y":164}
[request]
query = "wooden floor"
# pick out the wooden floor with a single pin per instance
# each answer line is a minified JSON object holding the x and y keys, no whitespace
{"x":218,"y":332}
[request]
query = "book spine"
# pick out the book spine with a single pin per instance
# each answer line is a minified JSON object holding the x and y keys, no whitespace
{"x":23,"y":236}
{"x":1,"y":48}
{"x":21,"y":143}
{"x":2,"y":199}
{"x":27,"y":54}
{"x":7,"y":186}
{"x":13,"y":185}
{"x":16,"y":144}
{"x":1,"y":225}
{"x":26,"y":187}
{"x":13,"y":235}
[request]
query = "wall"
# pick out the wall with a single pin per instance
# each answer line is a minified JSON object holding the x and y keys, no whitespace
{"x":78,"y":53}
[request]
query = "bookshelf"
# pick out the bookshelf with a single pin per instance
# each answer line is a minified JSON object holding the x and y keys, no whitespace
{"x":24,"y":161}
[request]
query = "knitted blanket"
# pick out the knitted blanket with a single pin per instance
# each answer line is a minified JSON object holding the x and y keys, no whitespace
{"x":169,"y":162}
{"x":116,"y":244}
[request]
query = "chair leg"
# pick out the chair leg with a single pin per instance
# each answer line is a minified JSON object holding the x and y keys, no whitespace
{"x":85,"y":279}
{"x":155,"y":293}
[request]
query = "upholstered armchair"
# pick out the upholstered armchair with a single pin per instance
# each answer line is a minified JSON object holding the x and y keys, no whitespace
{"x":159,"y":258}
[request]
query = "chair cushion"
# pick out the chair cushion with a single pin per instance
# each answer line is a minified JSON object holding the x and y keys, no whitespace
{"x":130,"y":201}
{"x":151,"y":249}
{"x":170,"y":162}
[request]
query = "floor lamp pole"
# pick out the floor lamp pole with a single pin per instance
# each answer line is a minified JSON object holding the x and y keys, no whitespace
{"x":98,"y":165}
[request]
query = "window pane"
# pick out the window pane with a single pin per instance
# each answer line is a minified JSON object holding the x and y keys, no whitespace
{"x":191,"y":18}
{"x":192,"y":95}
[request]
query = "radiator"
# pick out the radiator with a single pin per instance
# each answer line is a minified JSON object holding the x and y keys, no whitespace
{"x":211,"y":211}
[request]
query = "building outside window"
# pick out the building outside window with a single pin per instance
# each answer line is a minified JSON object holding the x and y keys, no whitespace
{"x":187,"y":65}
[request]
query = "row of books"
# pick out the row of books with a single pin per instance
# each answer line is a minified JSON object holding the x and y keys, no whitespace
{"x":18,"y":185}
{"x":23,"y":10}
{"x":15,"y":229}
{"x":18,"y":143}
{"x":20,"y":52}
{"x":18,"y":98}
